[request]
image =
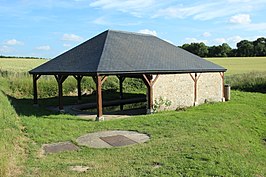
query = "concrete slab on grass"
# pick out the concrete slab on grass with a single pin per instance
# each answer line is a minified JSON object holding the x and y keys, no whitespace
{"x":59,"y":147}
{"x":109,"y":139}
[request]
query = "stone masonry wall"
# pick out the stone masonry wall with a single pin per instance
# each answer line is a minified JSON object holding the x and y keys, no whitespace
{"x":210,"y":88}
{"x":179,"y":90}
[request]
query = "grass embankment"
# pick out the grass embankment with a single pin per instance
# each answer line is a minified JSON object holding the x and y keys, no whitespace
{"x":12,"y":145}
{"x":222,"y":139}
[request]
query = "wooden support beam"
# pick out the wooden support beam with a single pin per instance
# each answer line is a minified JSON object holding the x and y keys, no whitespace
{"x":223,"y":90}
{"x":78,"y":78}
{"x":121,"y":96}
{"x":149,"y":83}
{"x":195,"y":78}
{"x":60,"y":79}
{"x":35,"y":89}
{"x":99,"y":98}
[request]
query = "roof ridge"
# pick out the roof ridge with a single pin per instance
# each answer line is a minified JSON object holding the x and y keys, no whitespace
{"x":129,"y":32}
{"x":103,"y":49}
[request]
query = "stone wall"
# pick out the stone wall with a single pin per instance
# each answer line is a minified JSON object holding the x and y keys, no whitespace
{"x":179,"y":90}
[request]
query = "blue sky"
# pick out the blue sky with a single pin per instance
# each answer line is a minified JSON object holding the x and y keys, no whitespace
{"x":47,"y":28}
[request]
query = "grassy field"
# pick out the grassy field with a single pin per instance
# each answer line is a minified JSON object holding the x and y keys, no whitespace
{"x":236,"y":65}
{"x":221,"y":139}
{"x":239,"y":65}
{"x":19,"y":65}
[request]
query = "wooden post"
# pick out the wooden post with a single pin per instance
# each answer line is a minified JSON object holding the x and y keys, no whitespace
{"x":223,"y":90}
{"x":99,"y":99}
{"x":195,"y":79}
{"x":149,"y":83}
{"x":35,"y":90}
{"x":78,"y":78}
{"x":60,"y":79}
{"x":99,"y":81}
{"x":121,"y":96}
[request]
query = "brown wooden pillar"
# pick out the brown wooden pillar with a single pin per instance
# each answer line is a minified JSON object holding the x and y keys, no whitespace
{"x":195,"y":79}
{"x":99,"y":81}
{"x":121,"y":96}
{"x":35,"y":90}
{"x":147,"y":78}
{"x":60,"y":79}
{"x":78,"y":78}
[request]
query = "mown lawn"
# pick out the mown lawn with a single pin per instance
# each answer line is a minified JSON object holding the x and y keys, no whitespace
{"x":222,"y":139}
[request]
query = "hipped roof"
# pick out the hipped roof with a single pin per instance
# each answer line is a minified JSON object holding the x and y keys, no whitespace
{"x":117,"y":52}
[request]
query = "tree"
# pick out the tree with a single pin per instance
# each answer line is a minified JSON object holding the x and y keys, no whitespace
{"x":245,"y":48}
{"x":219,"y":51}
{"x":225,"y":50}
{"x":199,"y":49}
{"x":260,"y":47}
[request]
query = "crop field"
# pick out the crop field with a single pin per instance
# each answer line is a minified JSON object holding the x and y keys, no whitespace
{"x":236,"y":65}
{"x":215,"y":139}
{"x":19,"y":65}
{"x":239,"y":65}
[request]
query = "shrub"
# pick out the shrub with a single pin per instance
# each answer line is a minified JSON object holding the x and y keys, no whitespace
{"x":250,"y":82}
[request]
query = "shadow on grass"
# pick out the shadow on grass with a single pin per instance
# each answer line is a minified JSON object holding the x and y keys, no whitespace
{"x":25,"y":107}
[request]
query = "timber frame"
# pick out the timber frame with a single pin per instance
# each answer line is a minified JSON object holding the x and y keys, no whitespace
{"x":99,"y":80}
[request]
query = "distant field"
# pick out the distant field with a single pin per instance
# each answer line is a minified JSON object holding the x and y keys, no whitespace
{"x":19,"y":65}
{"x":238,"y":65}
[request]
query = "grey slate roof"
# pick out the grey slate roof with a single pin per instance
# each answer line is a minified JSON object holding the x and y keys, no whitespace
{"x":117,"y":52}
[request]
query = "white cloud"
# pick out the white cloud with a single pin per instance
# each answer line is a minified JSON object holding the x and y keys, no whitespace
{"x":44,"y":47}
{"x":5,"y":49}
{"x":256,"y":27}
{"x":240,"y":19}
{"x":13,"y":42}
{"x":134,"y":7}
{"x":206,"y":34}
{"x":72,"y":37}
{"x":101,"y":21}
{"x":234,"y":39}
{"x":220,"y":40}
{"x":207,"y":10}
{"x":147,"y":31}
{"x":67,"y":45}
{"x":194,"y":40}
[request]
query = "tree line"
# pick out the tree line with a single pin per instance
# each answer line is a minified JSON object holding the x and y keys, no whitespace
{"x":2,"y":56}
{"x":244,"y":48}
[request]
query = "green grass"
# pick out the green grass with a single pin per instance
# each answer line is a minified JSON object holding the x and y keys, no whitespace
{"x":222,"y":139}
{"x":239,"y":65}
{"x":11,"y":138}
{"x":19,"y":65}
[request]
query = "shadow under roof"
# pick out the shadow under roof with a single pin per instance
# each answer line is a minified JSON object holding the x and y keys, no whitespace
{"x":117,"y":52}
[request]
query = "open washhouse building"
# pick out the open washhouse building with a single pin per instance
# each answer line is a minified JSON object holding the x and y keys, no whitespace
{"x":171,"y":74}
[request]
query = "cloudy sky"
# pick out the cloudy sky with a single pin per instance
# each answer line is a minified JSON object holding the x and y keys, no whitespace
{"x":46,"y":28}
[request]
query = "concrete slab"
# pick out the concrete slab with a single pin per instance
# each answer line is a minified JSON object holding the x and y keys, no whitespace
{"x":95,"y":140}
{"x":107,"y":115}
{"x":118,"y":140}
{"x":59,"y":147}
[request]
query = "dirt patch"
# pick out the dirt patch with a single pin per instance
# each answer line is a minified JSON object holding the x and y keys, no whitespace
{"x":79,"y":168}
